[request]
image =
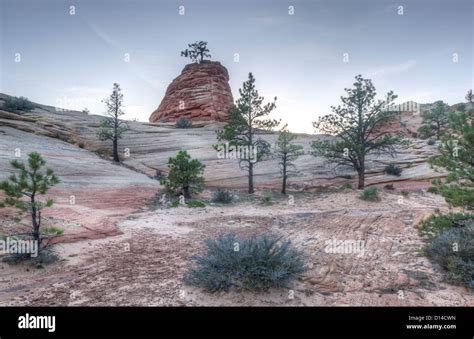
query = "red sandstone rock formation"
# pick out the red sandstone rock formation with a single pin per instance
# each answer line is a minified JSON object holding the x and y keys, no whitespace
{"x":200,"y":93}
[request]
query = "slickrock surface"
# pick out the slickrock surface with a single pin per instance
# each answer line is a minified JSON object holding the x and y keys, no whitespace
{"x":200,"y":93}
{"x":150,"y":146}
{"x":93,"y":194}
{"x":144,"y":253}
{"x":145,"y":265}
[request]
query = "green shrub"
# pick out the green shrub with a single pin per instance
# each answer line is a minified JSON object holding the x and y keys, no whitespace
{"x":433,"y":189}
{"x":370,"y":194}
{"x":266,"y":199}
{"x":222,"y":196}
{"x":405,"y":193}
{"x":437,"y":223}
{"x":431,"y":142}
{"x":393,"y":169}
{"x":175,"y":203}
{"x":52,"y":230}
{"x":347,"y":186}
{"x":453,"y":250}
{"x":183,"y":123}
{"x":195,"y":203}
{"x":458,"y":195}
{"x":389,"y":187}
{"x":18,"y":104}
{"x":81,"y":145}
{"x":257,"y":263}
{"x":47,"y":255}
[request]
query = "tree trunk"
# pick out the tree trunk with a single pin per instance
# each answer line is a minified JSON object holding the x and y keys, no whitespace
{"x":115,"y":151}
{"x":283,"y":188}
{"x":361,"y":174}
{"x":186,"y":192}
{"x":35,"y":222}
{"x":251,"y":191}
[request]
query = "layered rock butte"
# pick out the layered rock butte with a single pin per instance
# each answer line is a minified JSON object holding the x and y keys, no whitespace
{"x":200,"y":93}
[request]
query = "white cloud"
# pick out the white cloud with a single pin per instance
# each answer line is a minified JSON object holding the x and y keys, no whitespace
{"x":391,"y":69}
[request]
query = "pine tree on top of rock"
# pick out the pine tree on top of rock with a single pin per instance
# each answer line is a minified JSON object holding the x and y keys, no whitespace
{"x":112,"y":128}
{"x":197,"y":52}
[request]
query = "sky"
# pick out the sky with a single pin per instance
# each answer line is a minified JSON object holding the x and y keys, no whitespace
{"x":305,"y":55}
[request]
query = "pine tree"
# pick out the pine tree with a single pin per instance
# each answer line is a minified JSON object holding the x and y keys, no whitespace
{"x":245,"y":121}
{"x":457,"y":156}
{"x":355,"y":126}
{"x":185,"y":176}
{"x":469,"y":96}
{"x":112,"y":128}
{"x":287,"y":152}
{"x":197,"y":51}
{"x":22,"y":190}
{"x":435,"y":121}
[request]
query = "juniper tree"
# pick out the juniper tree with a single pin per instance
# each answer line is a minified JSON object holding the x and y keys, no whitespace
{"x":356,"y":125}
{"x":286,"y":152}
{"x":435,"y":121}
{"x":246,"y":119}
{"x":111,"y":127}
{"x":185,"y":176}
{"x":197,"y":51}
{"x":23,"y":189}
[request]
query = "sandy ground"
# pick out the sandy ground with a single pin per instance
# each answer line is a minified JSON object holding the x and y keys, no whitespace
{"x":145,"y":264}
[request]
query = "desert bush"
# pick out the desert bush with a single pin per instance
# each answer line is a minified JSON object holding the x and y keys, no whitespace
{"x":393,"y":169}
{"x":48,"y":255}
{"x":453,"y":250}
{"x":222,"y":196}
{"x":370,"y":194}
{"x":389,"y":187}
{"x":266,"y":199}
{"x":195,"y":203}
{"x":414,"y":135}
{"x":18,"y":104}
{"x":433,"y":189}
{"x":405,"y":193}
{"x":347,"y":185}
{"x":192,"y":203}
{"x":437,"y":223}
{"x":183,"y":123}
{"x":431,"y":141}
{"x":52,"y":230}
{"x":256,"y":264}
{"x":458,"y":196}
